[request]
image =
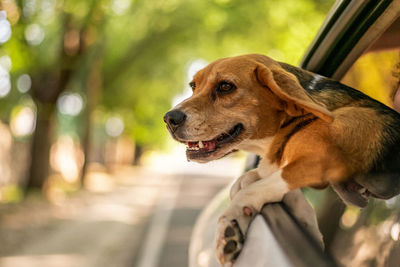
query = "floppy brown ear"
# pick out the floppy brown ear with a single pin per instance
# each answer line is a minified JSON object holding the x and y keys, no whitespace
{"x":295,"y":98}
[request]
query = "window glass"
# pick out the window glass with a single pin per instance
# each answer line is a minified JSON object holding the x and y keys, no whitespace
{"x":370,"y":236}
{"x":376,"y":74}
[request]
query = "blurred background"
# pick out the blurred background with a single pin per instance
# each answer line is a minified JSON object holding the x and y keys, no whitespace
{"x":88,"y":173}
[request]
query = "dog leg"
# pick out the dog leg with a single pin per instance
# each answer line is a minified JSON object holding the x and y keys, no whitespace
{"x":233,"y":224}
{"x":243,"y":181}
{"x":264,"y":171}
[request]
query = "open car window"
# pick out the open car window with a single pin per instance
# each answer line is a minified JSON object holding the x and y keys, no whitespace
{"x":370,"y":237}
{"x":376,"y":74}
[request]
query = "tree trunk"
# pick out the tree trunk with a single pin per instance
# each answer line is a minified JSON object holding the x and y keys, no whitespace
{"x":138,"y":154}
{"x":93,"y":89}
{"x":46,"y":88}
{"x":86,"y":143}
{"x":40,"y":148}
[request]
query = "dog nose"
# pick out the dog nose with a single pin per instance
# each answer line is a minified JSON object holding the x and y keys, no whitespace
{"x":175,"y":119}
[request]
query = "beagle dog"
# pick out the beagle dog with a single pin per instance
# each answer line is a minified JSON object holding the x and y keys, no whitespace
{"x":309,"y":130}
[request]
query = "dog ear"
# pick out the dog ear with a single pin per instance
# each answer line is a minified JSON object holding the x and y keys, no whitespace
{"x":287,"y":88}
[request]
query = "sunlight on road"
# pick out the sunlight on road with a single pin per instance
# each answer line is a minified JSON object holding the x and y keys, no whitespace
{"x":62,"y":260}
{"x":124,"y":210}
{"x":175,"y":162}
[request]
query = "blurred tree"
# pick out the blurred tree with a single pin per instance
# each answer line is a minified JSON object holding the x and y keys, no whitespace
{"x":130,"y":57}
{"x":52,"y":37}
{"x":149,"y":43}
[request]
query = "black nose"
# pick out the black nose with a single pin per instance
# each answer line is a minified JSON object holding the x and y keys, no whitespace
{"x":175,"y":119}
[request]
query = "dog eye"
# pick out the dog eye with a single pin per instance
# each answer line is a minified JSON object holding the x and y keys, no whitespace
{"x":192,"y":85}
{"x":225,"y":87}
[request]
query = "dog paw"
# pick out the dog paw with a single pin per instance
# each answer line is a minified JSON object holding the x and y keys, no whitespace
{"x":229,"y":241}
{"x":230,"y":237}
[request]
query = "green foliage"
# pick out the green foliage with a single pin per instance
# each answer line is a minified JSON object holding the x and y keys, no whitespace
{"x":146,"y":46}
{"x":379,"y":211}
{"x":149,"y":47}
{"x":11,"y":194}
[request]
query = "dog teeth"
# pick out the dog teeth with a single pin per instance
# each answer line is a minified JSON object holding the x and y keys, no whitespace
{"x":192,"y":146}
{"x":201,"y":145}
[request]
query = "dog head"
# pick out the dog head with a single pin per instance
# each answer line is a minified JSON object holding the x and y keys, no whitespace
{"x":236,"y":101}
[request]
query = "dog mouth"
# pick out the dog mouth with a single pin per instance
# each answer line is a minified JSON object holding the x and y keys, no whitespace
{"x":204,"y":149}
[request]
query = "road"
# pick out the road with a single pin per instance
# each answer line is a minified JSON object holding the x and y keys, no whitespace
{"x":140,"y":217}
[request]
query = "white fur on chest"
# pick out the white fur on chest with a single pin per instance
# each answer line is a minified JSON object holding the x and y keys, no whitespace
{"x":261,"y":147}
{"x":257,"y":146}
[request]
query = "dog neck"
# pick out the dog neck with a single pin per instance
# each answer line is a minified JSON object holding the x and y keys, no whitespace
{"x":257,"y":146}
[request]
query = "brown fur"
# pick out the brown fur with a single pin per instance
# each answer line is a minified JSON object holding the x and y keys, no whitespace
{"x":267,"y":97}
{"x":308,"y":129}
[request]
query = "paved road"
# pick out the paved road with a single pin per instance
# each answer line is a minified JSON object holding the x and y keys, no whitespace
{"x":134,"y":217}
{"x":193,"y":192}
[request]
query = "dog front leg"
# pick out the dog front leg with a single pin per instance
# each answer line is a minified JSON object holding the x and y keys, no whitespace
{"x":264,"y":171}
{"x":244,"y":181}
{"x":234,"y":222}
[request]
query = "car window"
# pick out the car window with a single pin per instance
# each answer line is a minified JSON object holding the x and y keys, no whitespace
{"x":376,"y":74}
{"x":370,"y":236}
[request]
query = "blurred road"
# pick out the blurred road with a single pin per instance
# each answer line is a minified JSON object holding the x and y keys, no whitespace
{"x":132,"y":217}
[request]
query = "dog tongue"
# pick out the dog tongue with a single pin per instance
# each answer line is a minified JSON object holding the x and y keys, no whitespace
{"x":209,"y":145}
